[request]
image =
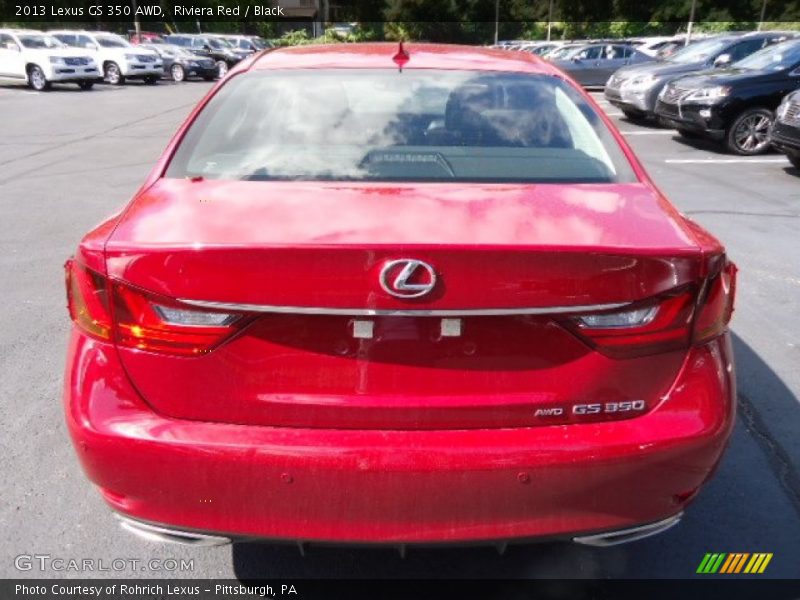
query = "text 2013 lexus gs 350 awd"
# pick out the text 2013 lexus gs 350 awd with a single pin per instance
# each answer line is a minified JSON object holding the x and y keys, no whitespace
{"x":399,"y":295}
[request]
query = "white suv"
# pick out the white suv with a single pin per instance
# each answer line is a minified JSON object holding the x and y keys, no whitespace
{"x":118,"y":59}
{"x":40,"y":60}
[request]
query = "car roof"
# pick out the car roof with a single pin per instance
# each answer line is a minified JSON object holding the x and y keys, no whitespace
{"x":421,"y":56}
{"x":84,"y":32}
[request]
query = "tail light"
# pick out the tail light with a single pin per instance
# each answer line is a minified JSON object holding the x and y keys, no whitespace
{"x":715,"y":308}
{"x":669,"y":322}
{"x":87,"y":300}
{"x":137,"y":319}
{"x":658,"y":325}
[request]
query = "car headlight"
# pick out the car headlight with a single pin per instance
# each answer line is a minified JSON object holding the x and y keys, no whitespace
{"x":780,"y":113}
{"x":640,"y":82}
{"x":709,"y":94}
{"x":130,"y":57}
{"x":56,"y":60}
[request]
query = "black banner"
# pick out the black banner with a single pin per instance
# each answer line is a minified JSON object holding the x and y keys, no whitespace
{"x":747,"y":12}
{"x":194,"y":589}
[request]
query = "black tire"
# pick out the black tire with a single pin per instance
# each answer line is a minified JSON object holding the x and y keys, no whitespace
{"x":86,"y":85}
{"x":177,"y":72}
{"x":633,"y":115}
{"x":151,"y":80}
{"x":748,"y":135}
{"x":37,"y":79}
{"x":794,"y":159}
{"x":222,"y":68}
{"x":689,"y":135}
{"x":113,"y":74}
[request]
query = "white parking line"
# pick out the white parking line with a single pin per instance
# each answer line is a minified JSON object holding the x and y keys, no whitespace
{"x":648,"y":132}
{"x":722,"y":161}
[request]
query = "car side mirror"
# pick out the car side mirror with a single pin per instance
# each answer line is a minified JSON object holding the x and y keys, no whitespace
{"x":12,"y":46}
{"x":723,"y":60}
{"x":90,"y":46}
{"x":576,"y":59}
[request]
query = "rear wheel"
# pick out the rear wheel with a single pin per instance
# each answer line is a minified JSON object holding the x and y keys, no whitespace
{"x":794,"y":159}
{"x":222,"y":68}
{"x":151,"y":80}
{"x":177,"y":72}
{"x":37,"y":79}
{"x":86,"y":85}
{"x":749,"y":133}
{"x":114,"y":74}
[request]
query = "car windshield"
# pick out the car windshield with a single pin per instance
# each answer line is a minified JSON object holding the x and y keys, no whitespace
{"x":112,"y":41}
{"x":32,"y":40}
{"x":773,"y":58}
{"x":699,"y":52}
{"x":385,"y":125}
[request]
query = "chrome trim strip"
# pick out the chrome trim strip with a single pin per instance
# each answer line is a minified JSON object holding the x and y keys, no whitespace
{"x":380,"y":312}
{"x":623,"y":536}
{"x":156,"y":533}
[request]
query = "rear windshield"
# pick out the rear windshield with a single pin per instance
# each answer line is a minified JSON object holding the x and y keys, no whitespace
{"x":388,"y":125}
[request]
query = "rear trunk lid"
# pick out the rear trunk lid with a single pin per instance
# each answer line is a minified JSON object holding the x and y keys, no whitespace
{"x":304,"y":261}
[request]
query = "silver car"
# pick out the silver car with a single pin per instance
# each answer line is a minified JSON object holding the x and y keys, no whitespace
{"x":592,"y":64}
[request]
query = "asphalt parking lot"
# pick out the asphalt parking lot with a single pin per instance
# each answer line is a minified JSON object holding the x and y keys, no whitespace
{"x":68,"y":159}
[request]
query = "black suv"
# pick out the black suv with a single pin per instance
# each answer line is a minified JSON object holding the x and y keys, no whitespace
{"x":735,"y":105}
{"x":223,"y":54}
{"x":785,"y":134}
{"x":634,"y":90}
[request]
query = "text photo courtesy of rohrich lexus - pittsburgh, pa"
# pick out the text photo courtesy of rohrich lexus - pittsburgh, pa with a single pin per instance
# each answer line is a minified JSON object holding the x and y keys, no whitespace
{"x":338,"y":299}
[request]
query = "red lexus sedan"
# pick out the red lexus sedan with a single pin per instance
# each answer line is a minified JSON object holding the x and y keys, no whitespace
{"x":389,"y":295}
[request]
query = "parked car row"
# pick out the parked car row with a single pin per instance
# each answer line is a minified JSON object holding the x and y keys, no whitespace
{"x":40,"y":60}
{"x":748,"y":105}
{"x":86,"y":57}
{"x":655,"y":46}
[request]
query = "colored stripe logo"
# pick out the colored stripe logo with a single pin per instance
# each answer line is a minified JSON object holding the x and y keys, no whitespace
{"x":735,"y":562}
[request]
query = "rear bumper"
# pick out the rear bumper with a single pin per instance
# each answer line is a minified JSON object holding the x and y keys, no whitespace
{"x":397,"y":486}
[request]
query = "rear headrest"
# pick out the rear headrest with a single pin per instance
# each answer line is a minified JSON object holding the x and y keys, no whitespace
{"x":540,"y":127}
{"x":522,"y":115}
{"x":465,"y":105}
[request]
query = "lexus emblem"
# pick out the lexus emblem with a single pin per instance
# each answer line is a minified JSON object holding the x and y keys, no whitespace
{"x":407,"y":278}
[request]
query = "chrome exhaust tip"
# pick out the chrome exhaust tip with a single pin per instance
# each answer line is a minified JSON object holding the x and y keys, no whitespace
{"x":157,"y":533}
{"x":623,"y":536}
